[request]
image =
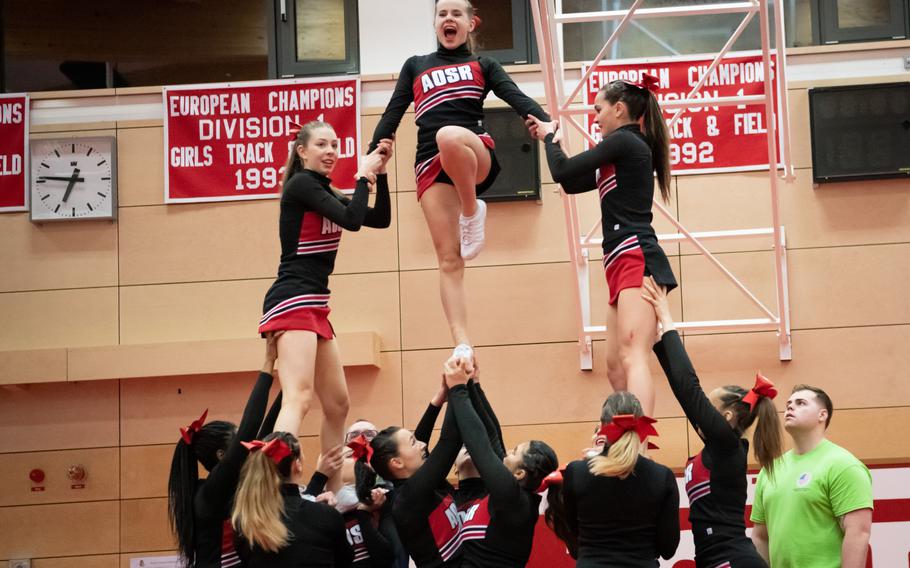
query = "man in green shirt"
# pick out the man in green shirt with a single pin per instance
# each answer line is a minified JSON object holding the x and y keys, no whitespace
{"x":815,"y":511}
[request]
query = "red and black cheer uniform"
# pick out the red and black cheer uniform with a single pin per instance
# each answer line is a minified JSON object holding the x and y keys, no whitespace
{"x":316,"y":539}
{"x":499,"y":526}
{"x":716,"y":477}
{"x":424,"y":510}
{"x":312,"y":217}
{"x":371,"y":547}
{"x":624,"y":523}
{"x":214,"y":496}
{"x":620,"y":168}
{"x":448,"y":88}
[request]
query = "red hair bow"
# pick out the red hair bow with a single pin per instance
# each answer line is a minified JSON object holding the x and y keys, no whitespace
{"x":196,"y":425}
{"x":763,"y":388}
{"x":361,"y":448}
{"x":555,"y":478}
{"x":622,"y":423}
{"x":294,"y":131}
{"x":647,"y":81}
{"x":275,"y":449}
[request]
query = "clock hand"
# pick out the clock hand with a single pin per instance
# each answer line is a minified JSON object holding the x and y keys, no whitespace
{"x":69,"y":186}
{"x":61,"y":178}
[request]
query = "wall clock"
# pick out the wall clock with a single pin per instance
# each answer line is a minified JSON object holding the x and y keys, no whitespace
{"x":73,"y":179}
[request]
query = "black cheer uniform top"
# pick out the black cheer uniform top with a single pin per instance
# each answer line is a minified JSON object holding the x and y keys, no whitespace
{"x":716,"y":480}
{"x":316,"y":539}
{"x":448,"y":88}
{"x":623,"y":523}
{"x":424,"y":509}
{"x":214,"y":535}
{"x":372,"y":549}
{"x":498,"y":525}
{"x":621,"y":169}
{"x":310,"y":224}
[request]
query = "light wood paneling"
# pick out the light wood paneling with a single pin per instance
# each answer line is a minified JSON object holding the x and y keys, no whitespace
{"x":199,"y":242}
{"x":59,"y":318}
{"x":106,"y":561}
{"x":153,"y":410}
{"x":851,"y":213}
{"x":800,"y":134}
{"x":144,"y":525}
{"x":528,"y":384}
{"x":726,"y":202}
{"x":708,"y":295}
{"x":842,"y":361}
{"x":74,"y":529}
{"x":368,"y":124}
{"x":370,"y":250}
{"x":191,"y":312}
{"x":864,"y":434}
{"x":56,"y":255}
{"x":101,"y":480}
{"x":144,"y":471}
{"x":405,"y":153}
{"x":59,"y":416}
{"x":46,"y":365}
{"x":848,"y":286}
{"x":140,"y":166}
{"x":367,"y":302}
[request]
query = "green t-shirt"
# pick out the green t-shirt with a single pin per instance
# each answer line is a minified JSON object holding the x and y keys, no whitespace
{"x":802,"y":504}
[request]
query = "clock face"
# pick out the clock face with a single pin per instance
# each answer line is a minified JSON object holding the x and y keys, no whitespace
{"x":73,"y":178}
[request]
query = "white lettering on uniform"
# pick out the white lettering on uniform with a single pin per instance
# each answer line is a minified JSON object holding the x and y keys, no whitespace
{"x":446,"y":76}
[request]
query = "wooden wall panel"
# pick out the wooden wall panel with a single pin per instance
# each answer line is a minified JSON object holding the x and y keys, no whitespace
{"x":368,"y":124}
{"x":59,"y":416}
{"x":838,"y":214}
{"x":367,"y":302}
{"x":708,"y":295}
{"x":800,"y":137}
{"x":101,"y":481}
{"x":199,"y":242}
{"x":405,"y":153}
{"x":528,"y":384}
{"x":56,"y":255}
{"x":849,"y":286}
{"x":144,"y":470}
{"x":153,"y":410}
{"x":191,"y":312}
{"x":105,"y":561}
{"x":842,"y":361}
{"x":144,"y":525}
{"x":43,"y":365}
{"x":369,"y":250}
{"x":864,"y":433}
{"x":70,"y":529}
{"x":59,"y":318}
{"x":140,"y":166}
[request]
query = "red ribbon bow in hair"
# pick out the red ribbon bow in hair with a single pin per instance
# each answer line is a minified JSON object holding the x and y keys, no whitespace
{"x":361,"y":448}
{"x":196,"y":425}
{"x":623,"y":423}
{"x":275,"y":449}
{"x":555,"y":478}
{"x":763,"y":388}
{"x":294,"y":131}
{"x":647,"y":81}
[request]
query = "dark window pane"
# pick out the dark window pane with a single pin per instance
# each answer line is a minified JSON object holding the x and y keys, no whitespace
{"x":495,"y":31}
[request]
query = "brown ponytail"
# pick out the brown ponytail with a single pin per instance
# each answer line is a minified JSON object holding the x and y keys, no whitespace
{"x":258,"y":513}
{"x":766,"y":440}
{"x":642,"y":103}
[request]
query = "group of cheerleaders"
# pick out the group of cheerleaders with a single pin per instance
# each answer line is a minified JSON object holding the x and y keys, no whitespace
{"x":380,"y":497}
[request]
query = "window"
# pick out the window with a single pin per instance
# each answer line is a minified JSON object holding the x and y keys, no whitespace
{"x":505,"y":30}
{"x":316,"y":37}
{"x":862,"y":20}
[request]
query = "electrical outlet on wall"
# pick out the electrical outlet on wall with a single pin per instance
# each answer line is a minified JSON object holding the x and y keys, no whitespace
{"x":24,"y":563}
{"x":907,"y":62}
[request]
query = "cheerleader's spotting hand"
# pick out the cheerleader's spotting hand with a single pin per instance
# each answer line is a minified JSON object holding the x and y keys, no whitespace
{"x":656,"y":295}
{"x":271,"y":352}
{"x":371,"y":163}
{"x":330,"y":462}
{"x":455,"y":372}
{"x":539,"y":129}
{"x":385,"y":150}
{"x":378,"y":497}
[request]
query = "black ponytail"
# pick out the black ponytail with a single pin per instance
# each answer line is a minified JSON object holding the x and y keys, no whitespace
{"x":184,"y":477}
{"x":538,"y":461}
{"x":558,"y":520}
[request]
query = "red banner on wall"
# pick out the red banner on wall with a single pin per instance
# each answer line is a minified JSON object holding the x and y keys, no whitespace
{"x":229,"y":142}
{"x":704,"y":139}
{"x":13,"y":145}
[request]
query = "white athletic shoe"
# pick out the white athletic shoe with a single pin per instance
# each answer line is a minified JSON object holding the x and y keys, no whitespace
{"x":463,"y":351}
{"x":472,"y":234}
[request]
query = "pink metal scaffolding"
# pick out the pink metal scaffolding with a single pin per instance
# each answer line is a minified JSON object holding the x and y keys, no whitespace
{"x":548,"y":19}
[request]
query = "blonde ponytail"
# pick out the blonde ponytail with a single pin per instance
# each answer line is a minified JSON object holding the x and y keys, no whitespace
{"x":620,"y":458}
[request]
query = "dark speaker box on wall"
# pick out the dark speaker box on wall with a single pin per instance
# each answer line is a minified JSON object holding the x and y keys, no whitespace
{"x":518,"y":156}
{"x":860,"y":132}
